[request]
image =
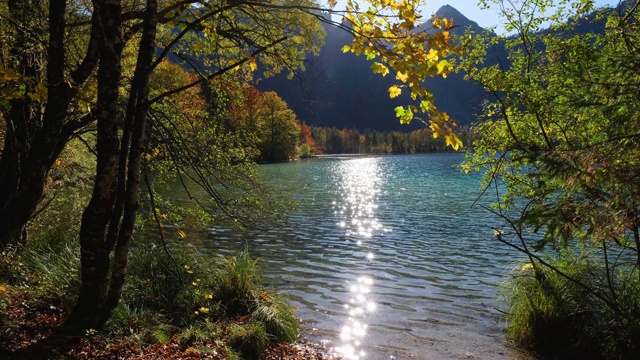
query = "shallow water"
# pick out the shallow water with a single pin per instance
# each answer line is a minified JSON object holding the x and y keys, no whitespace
{"x":385,"y":257}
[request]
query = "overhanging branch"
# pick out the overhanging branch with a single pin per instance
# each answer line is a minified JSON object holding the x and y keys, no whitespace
{"x":218,"y":72}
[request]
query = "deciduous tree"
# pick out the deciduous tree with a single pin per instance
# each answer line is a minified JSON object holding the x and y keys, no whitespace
{"x":558,"y":143}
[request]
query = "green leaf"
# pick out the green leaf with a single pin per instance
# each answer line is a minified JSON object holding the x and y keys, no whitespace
{"x":405,"y":115}
{"x":399,"y":111}
{"x":425,"y":105}
{"x":346,"y":49}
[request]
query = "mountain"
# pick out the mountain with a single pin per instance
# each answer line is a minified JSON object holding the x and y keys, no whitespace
{"x":459,"y":20}
{"x":340,"y":90}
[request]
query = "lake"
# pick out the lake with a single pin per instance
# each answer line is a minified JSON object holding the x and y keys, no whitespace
{"x":385,"y":258}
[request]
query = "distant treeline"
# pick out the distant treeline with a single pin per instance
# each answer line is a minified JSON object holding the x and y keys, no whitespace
{"x":330,"y":140}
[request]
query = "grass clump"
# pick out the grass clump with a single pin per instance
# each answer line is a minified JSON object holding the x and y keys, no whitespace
{"x":593,"y":317}
{"x":49,"y":266}
{"x":249,"y":339}
{"x":274,"y":313}
{"x":236,"y":284}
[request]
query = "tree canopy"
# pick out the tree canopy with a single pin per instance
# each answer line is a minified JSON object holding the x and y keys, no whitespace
{"x":558,"y":140}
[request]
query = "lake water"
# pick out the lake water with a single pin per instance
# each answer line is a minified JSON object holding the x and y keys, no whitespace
{"x":385,"y":258}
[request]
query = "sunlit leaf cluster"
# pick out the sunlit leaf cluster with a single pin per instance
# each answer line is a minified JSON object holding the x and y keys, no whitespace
{"x":560,"y":129}
{"x":395,"y":36}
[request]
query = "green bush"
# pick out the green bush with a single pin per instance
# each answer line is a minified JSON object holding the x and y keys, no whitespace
{"x":305,"y":151}
{"x":558,"y":318}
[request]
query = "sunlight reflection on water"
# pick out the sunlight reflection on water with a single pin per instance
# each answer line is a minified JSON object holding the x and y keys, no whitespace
{"x":360,"y":181}
{"x":433,"y":270}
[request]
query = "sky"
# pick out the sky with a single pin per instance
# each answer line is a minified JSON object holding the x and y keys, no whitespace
{"x":470,"y":9}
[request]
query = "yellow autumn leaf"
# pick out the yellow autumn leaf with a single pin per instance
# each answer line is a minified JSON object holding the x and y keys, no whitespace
{"x":379,"y":68}
{"x":253,"y":64}
{"x":446,"y":24}
{"x":394,"y":91}
{"x":526,"y":267}
{"x":436,"y":128}
{"x":204,"y":310}
{"x":452,"y":140}
{"x":188,"y":269}
{"x":444,"y":67}
{"x":433,"y":55}
{"x":182,"y":234}
{"x":402,"y":76}
{"x":84,"y":106}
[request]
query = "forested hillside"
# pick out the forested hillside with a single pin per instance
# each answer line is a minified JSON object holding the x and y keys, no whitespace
{"x":339,"y":90}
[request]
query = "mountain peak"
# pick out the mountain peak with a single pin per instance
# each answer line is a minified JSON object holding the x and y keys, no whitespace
{"x":449,"y":11}
{"x":463,"y":23}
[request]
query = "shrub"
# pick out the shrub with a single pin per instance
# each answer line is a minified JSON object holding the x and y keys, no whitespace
{"x":305,"y":151}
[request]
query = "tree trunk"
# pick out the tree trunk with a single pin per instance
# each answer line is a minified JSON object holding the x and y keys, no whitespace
{"x":19,"y":119}
{"x":94,"y":257}
{"x":109,"y":219}
{"x":138,"y":108}
{"x":34,"y":139}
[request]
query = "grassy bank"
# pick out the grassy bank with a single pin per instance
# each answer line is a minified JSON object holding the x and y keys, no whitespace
{"x":593,"y":316}
{"x":178,"y":303}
